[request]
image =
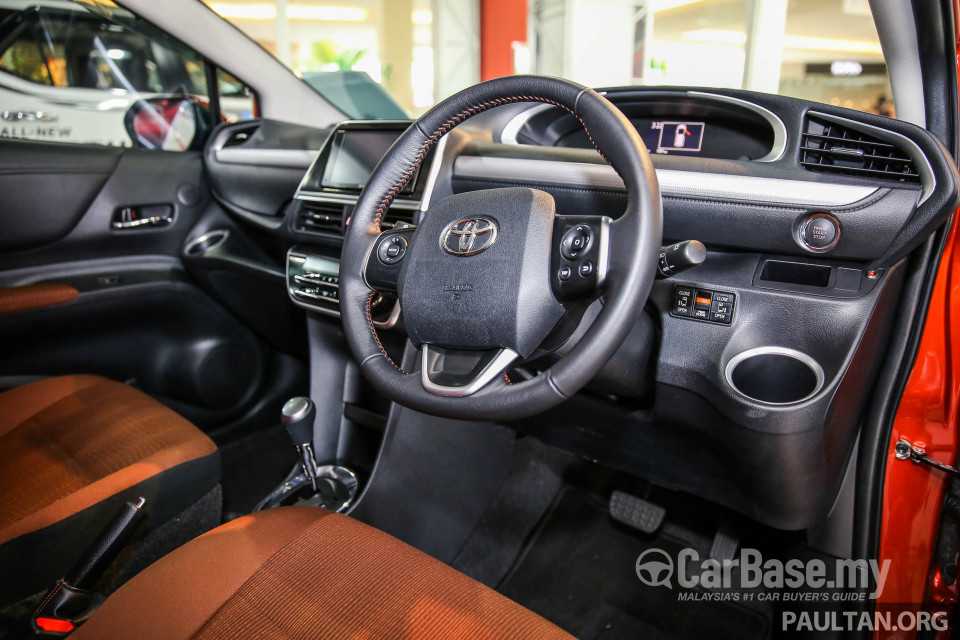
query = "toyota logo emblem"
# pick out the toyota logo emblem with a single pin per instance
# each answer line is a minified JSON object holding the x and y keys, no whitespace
{"x":469,"y":236}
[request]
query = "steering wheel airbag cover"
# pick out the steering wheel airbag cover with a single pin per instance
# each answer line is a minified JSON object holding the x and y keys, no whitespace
{"x":497,"y":298}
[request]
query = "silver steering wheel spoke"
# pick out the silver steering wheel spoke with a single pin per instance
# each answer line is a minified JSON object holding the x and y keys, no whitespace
{"x":461,"y":372}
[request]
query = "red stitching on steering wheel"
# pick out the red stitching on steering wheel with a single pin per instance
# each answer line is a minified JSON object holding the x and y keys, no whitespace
{"x":421,"y":154}
{"x":373,"y":330}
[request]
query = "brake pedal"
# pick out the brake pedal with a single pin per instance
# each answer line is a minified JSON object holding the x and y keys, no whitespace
{"x":636,"y":512}
{"x":725,"y":543}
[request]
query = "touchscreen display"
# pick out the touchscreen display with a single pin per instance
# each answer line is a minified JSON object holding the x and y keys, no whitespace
{"x":354,"y":154}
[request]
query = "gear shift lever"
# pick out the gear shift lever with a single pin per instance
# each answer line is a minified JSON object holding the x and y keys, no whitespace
{"x":334,"y":486}
{"x":298,"y":415}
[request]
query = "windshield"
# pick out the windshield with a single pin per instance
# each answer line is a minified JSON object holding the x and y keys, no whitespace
{"x":384,"y":58}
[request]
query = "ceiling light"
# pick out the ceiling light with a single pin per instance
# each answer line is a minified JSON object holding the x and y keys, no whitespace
{"x":666,"y":5}
{"x":264,"y":11}
{"x":245,"y":11}
{"x":715,"y":36}
{"x":845,"y":68}
{"x":832,"y":44}
{"x":422,"y":16}
{"x":809,"y":43}
{"x":332,"y":14}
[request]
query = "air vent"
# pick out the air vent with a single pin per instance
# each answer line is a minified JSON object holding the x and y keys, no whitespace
{"x":834,"y":148}
{"x":395,"y":216}
{"x":240,"y":136}
{"x":320,"y":217}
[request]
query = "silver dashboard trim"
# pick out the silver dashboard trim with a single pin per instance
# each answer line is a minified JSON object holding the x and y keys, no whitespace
{"x":779,"y":129}
{"x":285,"y":158}
{"x":316,"y":159}
{"x":500,"y":362}
{"x":684,"y":184}
{"x":433,"y":174}
{"x":319,"y":196}
{"x":335,"y":198}
{"x":928,"y":180}
{"x":603,"y":259}
{"x":508,"y":135}
{"x":400,"y":203}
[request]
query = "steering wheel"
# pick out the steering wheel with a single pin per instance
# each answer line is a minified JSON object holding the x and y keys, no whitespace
{"x":487,"y":275}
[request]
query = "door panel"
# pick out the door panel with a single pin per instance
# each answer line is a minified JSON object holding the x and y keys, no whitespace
{"x":139,"y":315}
{"x":60,"y":200}
{"x":45,"y":192}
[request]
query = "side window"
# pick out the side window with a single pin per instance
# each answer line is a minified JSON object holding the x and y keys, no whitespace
{"x":70,"y":75}
{"x":237,"y":101}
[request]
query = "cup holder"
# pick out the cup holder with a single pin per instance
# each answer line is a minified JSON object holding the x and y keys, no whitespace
{"x":775,"y":375}
{"x":206,"y":243}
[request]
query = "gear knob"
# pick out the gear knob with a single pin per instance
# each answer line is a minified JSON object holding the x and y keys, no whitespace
{"x":297,"y":416}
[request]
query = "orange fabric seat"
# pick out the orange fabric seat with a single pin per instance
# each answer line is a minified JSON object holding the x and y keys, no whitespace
{"x":301,"y":572}
{"x":73,"y":443}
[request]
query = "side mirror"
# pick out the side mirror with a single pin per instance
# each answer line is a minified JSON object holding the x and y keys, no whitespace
{"x":169,"y":123}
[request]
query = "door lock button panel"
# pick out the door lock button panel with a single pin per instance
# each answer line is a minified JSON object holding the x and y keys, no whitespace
{"x":702,"y":304}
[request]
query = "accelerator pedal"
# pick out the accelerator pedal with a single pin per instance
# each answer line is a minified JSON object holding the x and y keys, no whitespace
{"x":725,"y":543}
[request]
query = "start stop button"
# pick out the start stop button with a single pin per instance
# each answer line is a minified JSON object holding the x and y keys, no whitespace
{"x":819,"y":232}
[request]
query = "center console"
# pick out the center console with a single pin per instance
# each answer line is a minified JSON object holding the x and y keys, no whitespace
{"x":321,"y":208}
{"x":313,"y":283}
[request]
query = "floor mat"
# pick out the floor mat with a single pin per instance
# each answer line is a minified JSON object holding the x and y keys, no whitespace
{"x":253,"y":467}
{"x":579,"y":572}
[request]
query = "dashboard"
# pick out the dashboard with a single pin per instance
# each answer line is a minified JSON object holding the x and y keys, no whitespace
{"x":755,"y":366}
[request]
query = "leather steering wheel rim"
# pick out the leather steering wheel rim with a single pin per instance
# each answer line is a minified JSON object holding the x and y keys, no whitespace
{"x":635,"y":240}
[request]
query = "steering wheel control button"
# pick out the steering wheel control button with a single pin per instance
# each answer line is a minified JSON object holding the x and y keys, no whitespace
{"x":580,"y":245}
{"x":819,"y":232}
{"x":576,"y":241}
{"x":700,"y":304}
{"x":392,"y":249}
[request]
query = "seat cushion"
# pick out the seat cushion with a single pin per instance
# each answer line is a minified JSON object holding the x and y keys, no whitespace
{"x":67,"y":443}
{"x":301,"y":572}
{"x":73,"y":449}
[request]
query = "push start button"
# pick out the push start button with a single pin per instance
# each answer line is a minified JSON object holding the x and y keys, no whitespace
{"x":820,"y":232}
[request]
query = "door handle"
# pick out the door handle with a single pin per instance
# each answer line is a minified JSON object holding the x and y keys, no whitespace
{"x":152,"y":221}
{"x":142,"y":217}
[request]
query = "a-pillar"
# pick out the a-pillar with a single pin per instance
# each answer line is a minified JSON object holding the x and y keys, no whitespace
{"x":396,"y":50}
